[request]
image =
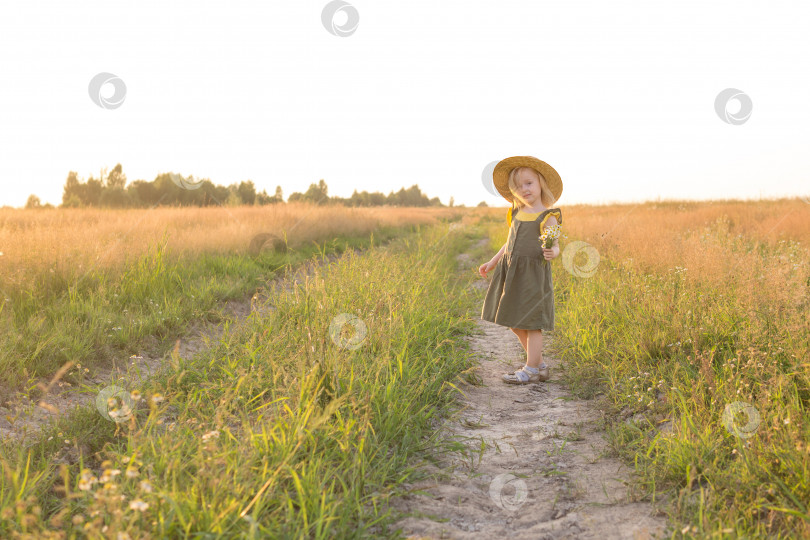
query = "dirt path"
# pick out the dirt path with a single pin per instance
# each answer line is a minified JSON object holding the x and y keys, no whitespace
{"x":23,"y":418}
{"x":544,"y":473}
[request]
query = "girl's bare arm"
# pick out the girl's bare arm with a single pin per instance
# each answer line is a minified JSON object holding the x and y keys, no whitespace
{"x":498,"y":255}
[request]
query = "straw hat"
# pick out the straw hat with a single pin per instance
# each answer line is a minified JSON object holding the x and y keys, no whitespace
{"x":500,"y":175}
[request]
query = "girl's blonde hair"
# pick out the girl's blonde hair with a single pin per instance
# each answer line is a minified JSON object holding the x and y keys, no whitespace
{"x":546,"y":196}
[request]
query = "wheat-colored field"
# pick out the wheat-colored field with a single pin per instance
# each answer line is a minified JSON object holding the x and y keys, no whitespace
{"x":72,"y":241}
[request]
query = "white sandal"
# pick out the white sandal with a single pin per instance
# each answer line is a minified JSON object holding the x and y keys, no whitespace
{"x":521,"y":376}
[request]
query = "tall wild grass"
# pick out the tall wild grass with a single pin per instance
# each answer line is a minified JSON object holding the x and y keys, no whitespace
{"x":87,"y":286}
{"x":696,"y":327}
{"x":292,"y":426}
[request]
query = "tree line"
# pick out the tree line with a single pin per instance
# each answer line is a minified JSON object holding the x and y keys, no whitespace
{"x":110,"y":190}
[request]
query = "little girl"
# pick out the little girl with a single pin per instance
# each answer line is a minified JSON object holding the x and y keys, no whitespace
{"x":521,"y":293}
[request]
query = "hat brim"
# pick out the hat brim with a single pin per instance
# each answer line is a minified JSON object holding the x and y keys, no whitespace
{"x":500,"y":175}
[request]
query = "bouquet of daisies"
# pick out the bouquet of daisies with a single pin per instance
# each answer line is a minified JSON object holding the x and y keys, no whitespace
{"x":550,"y":234}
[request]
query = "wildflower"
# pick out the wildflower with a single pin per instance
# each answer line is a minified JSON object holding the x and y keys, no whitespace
{"x":135,"y":395}
{"x":109,"y":474}
{"x":87,"y":480}
{"x":550,"y":234}
{"x":138,"y":505}
{"x":209,"y":435}
{"x":157,"y":398}
{"x":146,"y":486}
{"x":132,"y":473}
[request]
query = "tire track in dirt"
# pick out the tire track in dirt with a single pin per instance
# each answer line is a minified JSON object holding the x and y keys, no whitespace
{"x":546,"y":471}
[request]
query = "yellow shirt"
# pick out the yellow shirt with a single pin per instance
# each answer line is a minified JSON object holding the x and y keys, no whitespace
{"x":526,"y":216}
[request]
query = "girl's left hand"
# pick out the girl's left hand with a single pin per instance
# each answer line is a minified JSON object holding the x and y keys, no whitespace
{"x":550,"y":253}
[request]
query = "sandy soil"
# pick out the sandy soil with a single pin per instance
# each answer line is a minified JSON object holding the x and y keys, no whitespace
{"x":545,"y":473}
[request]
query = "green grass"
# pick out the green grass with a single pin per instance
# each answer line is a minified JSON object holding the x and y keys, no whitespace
{"x":276,"y":431}
{"x":92,"y":317}
{"x":682,"y":350}
{"x":313,"y":438}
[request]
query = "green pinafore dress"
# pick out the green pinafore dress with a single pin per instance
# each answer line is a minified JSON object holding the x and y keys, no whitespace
{"x":521,"y":293}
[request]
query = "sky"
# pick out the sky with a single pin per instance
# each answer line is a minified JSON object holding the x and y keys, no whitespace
{"x":619,"y":97}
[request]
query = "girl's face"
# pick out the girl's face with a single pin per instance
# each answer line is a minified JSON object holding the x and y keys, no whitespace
{"x":528,"y":185}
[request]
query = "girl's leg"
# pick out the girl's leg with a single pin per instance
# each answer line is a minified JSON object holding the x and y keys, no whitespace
{"x":532,"y":341}
{"x":535,"y":348}
{"x":522,"y":336}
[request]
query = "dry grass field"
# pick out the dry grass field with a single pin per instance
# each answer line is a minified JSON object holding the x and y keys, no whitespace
{"x":70,"y":242}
